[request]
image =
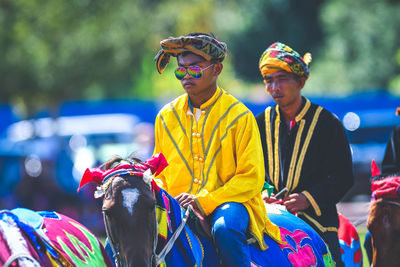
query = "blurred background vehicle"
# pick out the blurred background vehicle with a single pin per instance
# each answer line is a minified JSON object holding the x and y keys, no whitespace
{"x":43,"y":159}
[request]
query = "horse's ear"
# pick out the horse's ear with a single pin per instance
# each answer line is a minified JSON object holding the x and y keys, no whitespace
{"x":374,"y":169}
{"x":91,"y":175}
{"x":157,"y":163}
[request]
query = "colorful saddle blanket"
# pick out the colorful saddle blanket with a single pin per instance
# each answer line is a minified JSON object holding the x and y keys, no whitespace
{"x":302,"y":246}
{"x":19,"y":244}
{"x":349,"y":243}
{"x":60,"y":239}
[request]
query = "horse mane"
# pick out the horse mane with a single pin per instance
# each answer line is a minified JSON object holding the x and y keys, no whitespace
{"x":117,"y":160}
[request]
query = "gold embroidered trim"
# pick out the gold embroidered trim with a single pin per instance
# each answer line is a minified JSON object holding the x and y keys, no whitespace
{"x":312,"y":202}
{"x":294,"y":155}
{"x":303,"y":111}
{"x":276,"y":147}
{"x":273,"y":147}
{"x":305,"y":147}
{"x":269,"y":143}
{"x":201,"y":246}
{"x":317,"y":224}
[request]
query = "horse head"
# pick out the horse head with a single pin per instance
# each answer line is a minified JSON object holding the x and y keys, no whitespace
{"x":384,"y":218}
{"x":128,"y":207}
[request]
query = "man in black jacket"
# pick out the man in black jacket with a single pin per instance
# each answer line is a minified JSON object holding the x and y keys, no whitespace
{"x":391,"y":160}
{"x":305,"y":146}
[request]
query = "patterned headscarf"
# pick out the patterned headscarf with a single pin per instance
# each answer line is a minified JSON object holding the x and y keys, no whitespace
{"x":280,"y":57}
{"x":200,"y":44}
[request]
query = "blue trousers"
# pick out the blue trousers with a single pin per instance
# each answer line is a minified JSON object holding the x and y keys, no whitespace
{"x":229,"y":223}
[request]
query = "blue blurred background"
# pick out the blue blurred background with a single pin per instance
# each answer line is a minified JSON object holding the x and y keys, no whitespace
{"x":42,"y":159}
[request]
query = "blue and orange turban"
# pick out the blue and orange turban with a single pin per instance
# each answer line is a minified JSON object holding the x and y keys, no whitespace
{"x":280,"y":57}
{"x":200,"y":44}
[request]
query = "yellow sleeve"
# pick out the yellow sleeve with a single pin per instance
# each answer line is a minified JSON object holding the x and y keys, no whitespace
{"x":249,"y":175}
{"x":158,"y":128}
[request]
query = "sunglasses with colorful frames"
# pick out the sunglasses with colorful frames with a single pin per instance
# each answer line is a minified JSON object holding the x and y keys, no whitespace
{"x":194,"y":71}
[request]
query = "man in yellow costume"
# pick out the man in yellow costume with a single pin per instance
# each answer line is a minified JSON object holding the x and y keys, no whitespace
{"x":212,"y":144}
{"x":305,"y":146}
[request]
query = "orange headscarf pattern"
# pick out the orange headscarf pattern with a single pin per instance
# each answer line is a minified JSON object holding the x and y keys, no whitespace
{"x":280,"y":57}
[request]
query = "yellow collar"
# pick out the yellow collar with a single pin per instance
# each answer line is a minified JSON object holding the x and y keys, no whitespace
{"x":207,"y":103}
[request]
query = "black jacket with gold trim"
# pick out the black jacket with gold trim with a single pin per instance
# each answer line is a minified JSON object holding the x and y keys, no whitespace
{"x":312,"y":158}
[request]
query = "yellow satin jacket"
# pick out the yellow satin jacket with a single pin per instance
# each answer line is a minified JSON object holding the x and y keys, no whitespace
{"x":218,"y":157}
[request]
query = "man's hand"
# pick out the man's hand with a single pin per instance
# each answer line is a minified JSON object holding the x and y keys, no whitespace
{"x":185,"y":200}
{"x":296,"y":202}
{"x":268,"y":199}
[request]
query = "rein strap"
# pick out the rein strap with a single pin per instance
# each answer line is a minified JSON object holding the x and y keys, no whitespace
{"x":117,"y":260}
{"x":160,"y":257}
{"x":17,"y":256}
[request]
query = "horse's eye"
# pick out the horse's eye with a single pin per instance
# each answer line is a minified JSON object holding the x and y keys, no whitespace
{"x":108,"y":205}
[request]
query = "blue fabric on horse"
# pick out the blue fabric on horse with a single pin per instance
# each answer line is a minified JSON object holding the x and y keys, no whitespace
{"x":31,"y":222}
{"x":302,"y":247}
{"x":302,"y":241}
{"x":29,"y":247}
{"x":189,"y":249}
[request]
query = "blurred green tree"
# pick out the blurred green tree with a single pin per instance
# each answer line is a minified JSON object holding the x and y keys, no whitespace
{"x":361,"y":38}
{"x":55,"y":50}
{"x":295,"y":23}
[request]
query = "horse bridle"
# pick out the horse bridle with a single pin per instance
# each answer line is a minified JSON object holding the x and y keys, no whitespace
{"x":380,"y":200}
{"x":115,"y":251}
{"x":160,"y":257}
{"x":387,"y":201}
{"x":156,"y":259}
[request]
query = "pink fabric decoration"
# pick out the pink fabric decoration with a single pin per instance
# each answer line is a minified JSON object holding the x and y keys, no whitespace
{"x":156,"y":164}
{"x":386,"y":188}
{"x":374,"y":169}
